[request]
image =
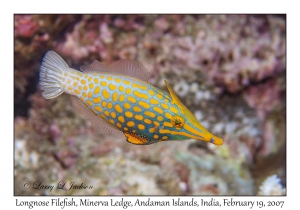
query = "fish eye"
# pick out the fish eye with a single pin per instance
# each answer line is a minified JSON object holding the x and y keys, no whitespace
{"x":177,"y":122}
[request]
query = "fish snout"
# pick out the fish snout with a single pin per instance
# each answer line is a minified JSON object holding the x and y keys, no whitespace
{"x":216,"y":140}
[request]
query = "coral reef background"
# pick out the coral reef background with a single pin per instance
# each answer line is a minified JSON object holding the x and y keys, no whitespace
{"x":229,"y":70}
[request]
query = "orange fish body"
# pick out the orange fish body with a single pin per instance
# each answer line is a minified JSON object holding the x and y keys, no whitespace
{"x":118,"y":100}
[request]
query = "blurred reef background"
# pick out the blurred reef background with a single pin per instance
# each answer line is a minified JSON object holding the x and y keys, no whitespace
{"x":229,"y":70}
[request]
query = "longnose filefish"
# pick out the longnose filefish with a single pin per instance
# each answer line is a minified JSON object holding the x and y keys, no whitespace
{"x":119,"y":101}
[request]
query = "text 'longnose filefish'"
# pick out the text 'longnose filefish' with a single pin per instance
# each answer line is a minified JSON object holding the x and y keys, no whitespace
{"x":118,"y":100}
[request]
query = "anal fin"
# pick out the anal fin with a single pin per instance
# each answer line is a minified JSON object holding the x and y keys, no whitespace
{"x":97,"y":122}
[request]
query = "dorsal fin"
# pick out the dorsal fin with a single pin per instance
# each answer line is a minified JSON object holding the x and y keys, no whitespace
{"x":95,"y":67}
{"x":126,"y":67}
{"x":130,"y":68}
{"x":97,"y":122}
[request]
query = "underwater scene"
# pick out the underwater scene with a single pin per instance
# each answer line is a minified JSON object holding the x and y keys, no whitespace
{"x":149,"y":104}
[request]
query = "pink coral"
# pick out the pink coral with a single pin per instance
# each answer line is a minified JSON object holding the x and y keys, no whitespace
{"x":162,"y":24}
{"x":55,"y":131}
{"x":264,"y":97}
{"x":25,"y":26}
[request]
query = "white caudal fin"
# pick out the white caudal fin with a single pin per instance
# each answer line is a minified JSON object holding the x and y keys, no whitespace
{"x":51,"y":74}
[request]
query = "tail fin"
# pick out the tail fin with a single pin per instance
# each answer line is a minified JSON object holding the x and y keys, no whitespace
{"x":51,"y":75}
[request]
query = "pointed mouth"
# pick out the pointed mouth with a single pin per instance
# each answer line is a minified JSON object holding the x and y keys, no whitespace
{"x":216,"y":140}
{"x":205,"y":136}
{"x":195,"y":134}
